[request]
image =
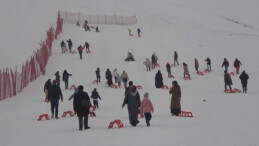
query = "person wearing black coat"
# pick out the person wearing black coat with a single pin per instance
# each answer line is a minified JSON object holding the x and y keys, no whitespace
{"x":168,"y":69}
{"x":98,"y":76}
{"x":227,"y":80}
{"x":70,"y":45}
{"x":176,"y":57}
{"x":54,"y":94}
{"x":159,"y":79}
{"x":57,"y":78}
{"x":95,"y":96}
{"x":87,"y":46}
{"x":62,"y":44}
{"x":139,"y":31}
{"x":83,"y":104}
{"x":225,"y":64}
{"x":65,"y":78}
{"x":244,"y":77}
{"x":208,"y":63}
{"x":47,"y":85}
{"x":132,"y":99}
{"x":108,"y":76}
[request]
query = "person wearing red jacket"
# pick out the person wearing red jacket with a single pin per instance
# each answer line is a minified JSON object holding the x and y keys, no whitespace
{"x":80,"y":51}
{"x":237,"y":64}
{"x":146,"y":108}
{"x":196,"y":65}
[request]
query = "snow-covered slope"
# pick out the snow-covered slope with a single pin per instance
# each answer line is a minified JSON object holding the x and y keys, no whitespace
{"x":195,"y":29}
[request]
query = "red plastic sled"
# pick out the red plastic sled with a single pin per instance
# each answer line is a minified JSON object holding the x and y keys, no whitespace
{"x":187,"y":78}
{"x":73,"y":86}
{"x":186,"y":114}
{"x":173,"y":65}
{"x":141,"y":115}
{"x":157,"y":65}
{"x":88,"y":52}
{"x":139,"y":87}
{"x":46,"y":116}
{"x":145,"y":63}
{"x":92,"y":27}
{"x":165,"y":87}
{"x":92,"y":114}
{"x":73,"y":52}
{"x":131,"y":35}
{"x":70,"y":113}
{"x":114,"y":86}
{"x":95,"y":82}
{"x":200,"y":73}
{"x":206,"y":70}
{"x":118,"y":122}
{"x":46,"y":100}
{"x":232,"y":73}
{"x":170,"y":76}
{"x":235,"y":90}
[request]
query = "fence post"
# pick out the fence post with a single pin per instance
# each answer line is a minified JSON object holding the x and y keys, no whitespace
{"x":0,"y":85}
{"x":105,"y":19}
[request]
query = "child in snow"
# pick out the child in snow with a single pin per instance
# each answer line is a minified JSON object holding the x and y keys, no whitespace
{"x":98,"y":76}
{"x":95,"y":95}
{"x":148,"y":64}
{"x":130,"y":30}
{"x":168,"y":68}
{"x":118,"y":79}
{"x":146,"y":108}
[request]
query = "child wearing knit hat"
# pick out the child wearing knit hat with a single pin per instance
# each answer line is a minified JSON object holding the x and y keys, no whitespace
{"x":146,"y":107}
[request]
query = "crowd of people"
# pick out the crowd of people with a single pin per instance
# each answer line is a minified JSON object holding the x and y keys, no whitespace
{"x":81,"y":99}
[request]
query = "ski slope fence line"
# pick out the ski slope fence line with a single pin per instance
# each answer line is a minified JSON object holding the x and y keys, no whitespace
{"x":13,"y":82}
{"x":72,"y":18}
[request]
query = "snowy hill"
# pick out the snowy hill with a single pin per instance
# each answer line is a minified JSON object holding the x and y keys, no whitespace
{"x":195,"y":29}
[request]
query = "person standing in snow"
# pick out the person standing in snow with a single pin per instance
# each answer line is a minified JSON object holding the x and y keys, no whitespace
{"x":148,"y":64}
{"x":196,"y":65}
{"x":244,"y":77}
{"x":176,"y":58}
{"x":57,"y":78}
{"x":154,"y":59}
{"x":80,"y":51}
{"x":208,"y":63}
{"x":83,"y":104}
{"x":97,"y":29}
{"x":98,"y":76}
{"x":54,"y":95}
{"x":115,"y":74}
{"x":185,"y":70}
{"x":65,"y":78}
{"x":73,"y":96}
{"x":146,"y":108}
{"x":46,"y":87}
{"x":130,"y":30}
{"x":118,"y":79}
{"x":159,"y":80}
{"x":108,"y":76}
{"x":139,"y":31}
{"x":168,"y":69}
{"x":237,"y":65}
{"x":63,"y":46}
{"x":70,"y":45}
{"x":227,"y":80}
{"x":175,"y":106}
{"x":225,"y":64}
{"x":125,"y":78}
{"x":87,"y":47}
{"x":95,"y":96}
{"x":132,"y":99}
